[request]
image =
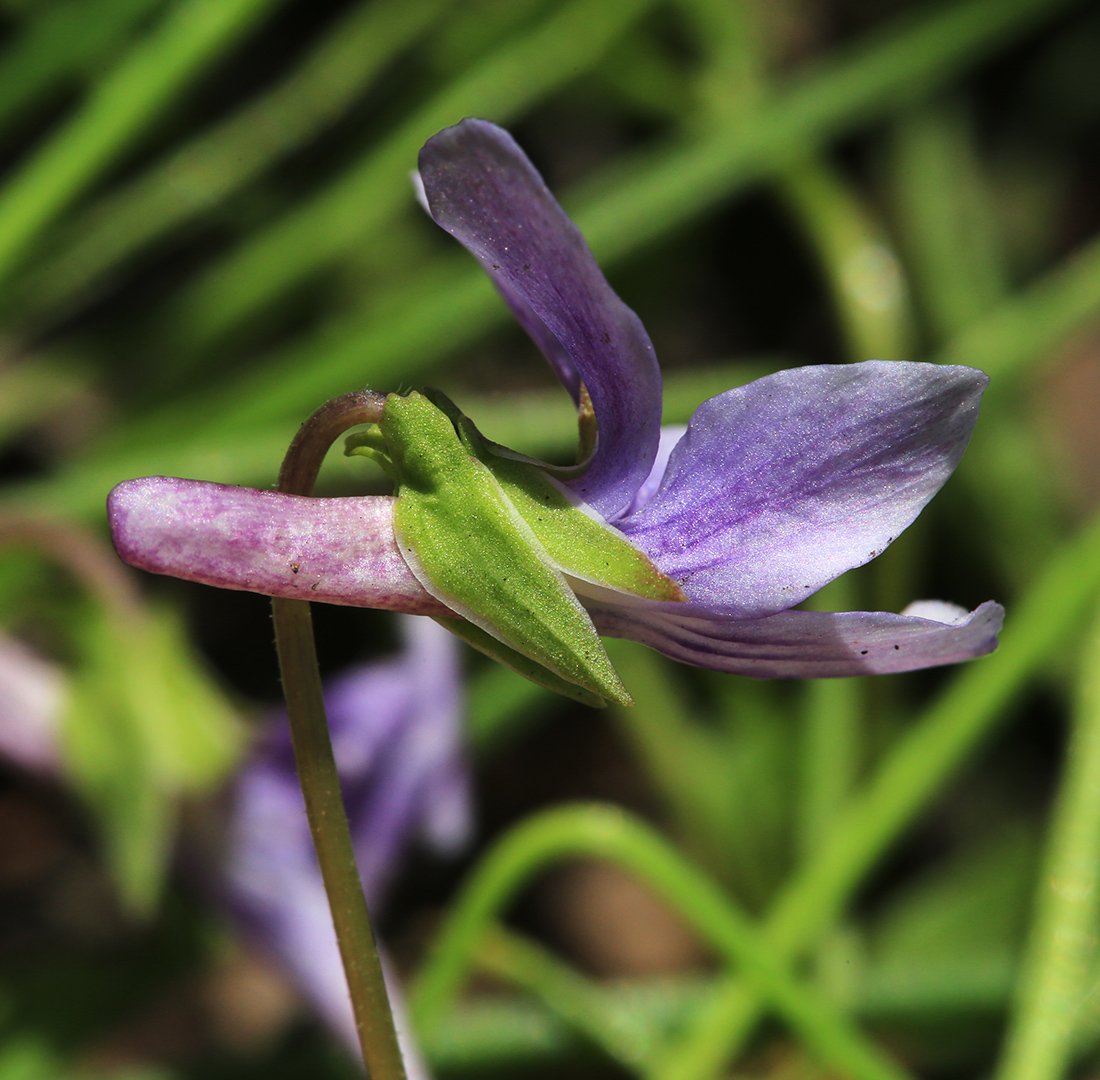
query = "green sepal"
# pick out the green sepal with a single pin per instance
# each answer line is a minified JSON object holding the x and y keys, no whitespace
{"x":580,"y":544}
{"x":466,"y":543}
{"x":520,"y":664}
{"x":370,"y":443}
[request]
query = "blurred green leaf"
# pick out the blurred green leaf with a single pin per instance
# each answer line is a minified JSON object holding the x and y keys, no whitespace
{"x":144,"y":727}
{"x":62,"y":42}
{"x":130,"y":96}
{"x":948,"y":219}
{"x":227,"y":156}
{"x":30,"y":392}
{"x":344,"y":215}
{"x":957,"y":929}
{"x":725,"y":771}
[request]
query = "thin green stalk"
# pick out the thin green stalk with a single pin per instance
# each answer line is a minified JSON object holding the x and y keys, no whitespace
{"x":917,"y":767}
{"x":316,"y":764}
{"x":328,"y":824}
{"x":609,"y":833}
{"x":128,"y":98}
{"x":571,"y":997}
{"x":1059,"y":959}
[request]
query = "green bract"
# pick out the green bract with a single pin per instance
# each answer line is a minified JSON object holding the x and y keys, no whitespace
{"x":504,"y":546}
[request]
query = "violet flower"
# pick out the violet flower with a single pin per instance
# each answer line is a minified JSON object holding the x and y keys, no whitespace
{"x":775,"y":489}
{"x":33,"y":696}
{"x":397,"y":737}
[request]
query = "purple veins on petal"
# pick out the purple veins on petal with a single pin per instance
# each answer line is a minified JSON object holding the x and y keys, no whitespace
{"x":340,"y":551}
{"x":808,"y":644}
{"x":780,"y":486}
{"x":481,"y":188}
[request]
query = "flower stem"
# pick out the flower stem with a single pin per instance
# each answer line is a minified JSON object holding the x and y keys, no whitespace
{"x":317,"y":767}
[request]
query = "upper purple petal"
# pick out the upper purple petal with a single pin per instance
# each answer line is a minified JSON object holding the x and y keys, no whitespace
{"x":339,"y":551}
{"x":805,"y":644}
{"x":780,"y":486}
{"x":482,"y":189}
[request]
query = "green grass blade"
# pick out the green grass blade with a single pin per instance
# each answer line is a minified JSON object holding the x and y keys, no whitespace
{"x":128,"y":98}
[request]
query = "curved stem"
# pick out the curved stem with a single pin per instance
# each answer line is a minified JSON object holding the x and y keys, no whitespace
{"x":307,"y":451}
{"x":577,"y":1001}
{"x":83,"y":555}
{"x":607,"y":832}
{"x":316,"y":764}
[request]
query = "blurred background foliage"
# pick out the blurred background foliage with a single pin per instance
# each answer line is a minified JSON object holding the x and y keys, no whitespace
{"x":207,"y":229}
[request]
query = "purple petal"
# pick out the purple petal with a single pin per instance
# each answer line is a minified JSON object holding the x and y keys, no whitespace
{"x":805,"y":644}
{"x":419,"y":781}
{"x":482,"y":189}
{"x":670,"y":438}
{"x":339,"y":551}
{"x":33,"y":693}
{"x":780,"y":486}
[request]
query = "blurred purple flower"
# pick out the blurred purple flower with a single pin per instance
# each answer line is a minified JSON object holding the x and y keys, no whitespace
{"x":33,"y":694}
{"x":397,"y":735}
{"x":774,"y":489}
{"x":396,"y":729}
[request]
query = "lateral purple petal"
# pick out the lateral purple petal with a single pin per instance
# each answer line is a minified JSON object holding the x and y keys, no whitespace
{"x":339,"y":551}
{"x":780,"y":486}
{"x":806,"y":644}
{"x":483,"y":190}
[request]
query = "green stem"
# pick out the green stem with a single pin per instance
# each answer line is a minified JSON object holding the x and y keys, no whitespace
{"x":606,"y":832}
{"x":1057,"y":969}
{"x":316,"y":764}
{"x":575,"y":1000}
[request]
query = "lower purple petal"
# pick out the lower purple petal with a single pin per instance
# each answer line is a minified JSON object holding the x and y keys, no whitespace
{"x":804,"y":644}
{"x":338,"y":551}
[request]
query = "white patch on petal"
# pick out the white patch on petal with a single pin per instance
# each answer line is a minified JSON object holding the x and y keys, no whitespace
{"x":937,"y":611}
{"x":671,"y":434}
{"x":418,"y":190}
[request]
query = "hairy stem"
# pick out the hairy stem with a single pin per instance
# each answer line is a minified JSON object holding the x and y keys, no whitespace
{"x":316,"y":765}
